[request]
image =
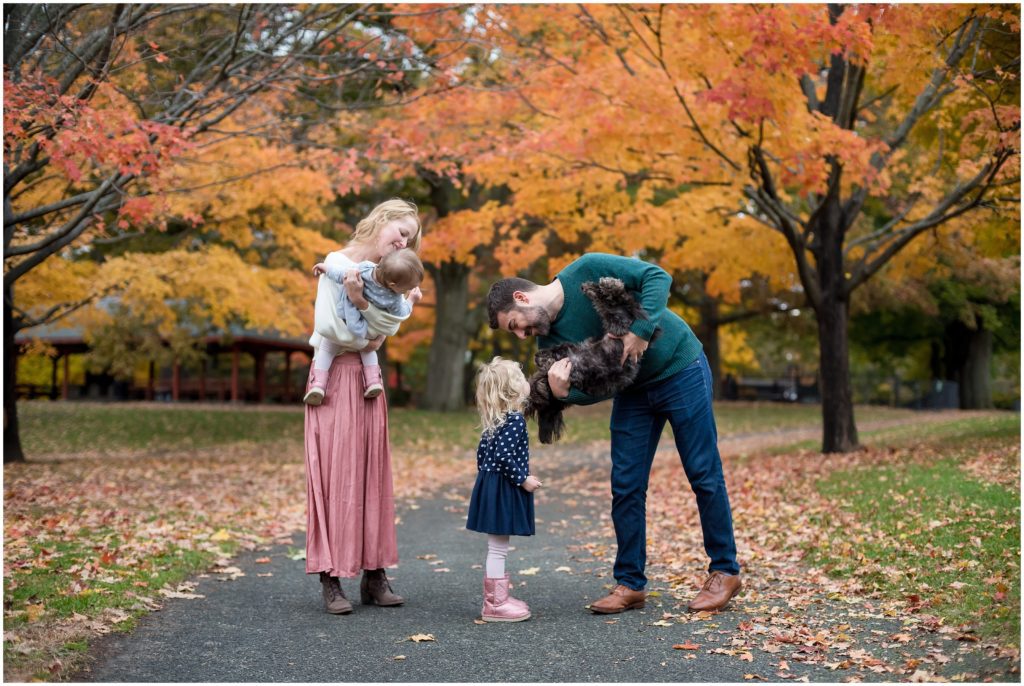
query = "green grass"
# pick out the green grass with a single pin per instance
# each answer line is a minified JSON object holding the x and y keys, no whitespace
{"x":48,"y":588}
{"x":68,"y":427}
{"x":72,"y":427}
{"x":930,"y":529}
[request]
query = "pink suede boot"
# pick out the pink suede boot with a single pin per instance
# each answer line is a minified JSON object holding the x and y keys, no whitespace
{"x":373,"y":383}
{"x":499,"y":605}
{"x":317,"y":387}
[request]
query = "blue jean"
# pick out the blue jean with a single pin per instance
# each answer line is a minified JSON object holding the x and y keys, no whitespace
{"x":638,"y":417}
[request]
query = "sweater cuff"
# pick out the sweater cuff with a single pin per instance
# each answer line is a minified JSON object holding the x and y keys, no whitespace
{"x":644,"y":328}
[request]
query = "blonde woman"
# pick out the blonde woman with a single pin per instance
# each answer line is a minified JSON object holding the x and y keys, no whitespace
{"x":350,"y":504}
{"x":502,"y":500}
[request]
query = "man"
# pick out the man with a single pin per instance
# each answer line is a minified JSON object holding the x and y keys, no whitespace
{"x":673,"y":384}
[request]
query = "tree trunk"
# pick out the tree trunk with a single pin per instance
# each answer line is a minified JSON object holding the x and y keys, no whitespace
{"x":968,"y":362}
{"x":12,"y":435}
{"x":447,"y":359}
{"x":707,"y":332}
{"x":840,"y":431}
{"x":833,"y":314}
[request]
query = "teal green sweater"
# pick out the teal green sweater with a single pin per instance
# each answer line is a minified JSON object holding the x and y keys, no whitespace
{"x":674,"y":349}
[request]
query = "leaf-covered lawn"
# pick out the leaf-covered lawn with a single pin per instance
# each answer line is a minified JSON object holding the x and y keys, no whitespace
{"x":93,"y":540}
{"x":922,"y":527}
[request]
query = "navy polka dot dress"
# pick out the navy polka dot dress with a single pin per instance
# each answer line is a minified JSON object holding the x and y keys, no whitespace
{"x":499,"y":505}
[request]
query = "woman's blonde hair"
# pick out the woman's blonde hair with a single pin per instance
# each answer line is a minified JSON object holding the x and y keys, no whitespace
{"x":389,"y":210}
{"x":498,"y":391}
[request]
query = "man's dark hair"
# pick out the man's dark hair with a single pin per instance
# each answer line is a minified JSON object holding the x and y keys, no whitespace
{"x":499,"y":298}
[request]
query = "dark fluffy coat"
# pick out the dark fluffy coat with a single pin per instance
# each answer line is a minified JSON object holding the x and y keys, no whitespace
{"x":597,"y":368}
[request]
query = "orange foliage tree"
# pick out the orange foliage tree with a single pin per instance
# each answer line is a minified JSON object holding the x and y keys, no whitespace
{"x":127,"y":123}
{"x":793,"y":117}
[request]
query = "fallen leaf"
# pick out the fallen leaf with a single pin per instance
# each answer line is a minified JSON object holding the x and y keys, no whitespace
{"x":419,"y":638}
{"x":178,"y":594}
{"x":687,"y":646}
{"x":262,"y":560}
{"x":661,"y":622}
{"x":398,"y":657}
{"x":33,"y":612}
{"x":221,"y":535}
{"x":532,"y":571}
{"x":566,"y":569}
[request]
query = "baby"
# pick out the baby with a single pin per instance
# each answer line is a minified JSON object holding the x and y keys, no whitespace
{"x":384,"y":284}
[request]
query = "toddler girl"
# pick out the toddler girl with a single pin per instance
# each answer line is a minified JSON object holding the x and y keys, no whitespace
{"x":383,"y":284}
{"x":502,"y":500}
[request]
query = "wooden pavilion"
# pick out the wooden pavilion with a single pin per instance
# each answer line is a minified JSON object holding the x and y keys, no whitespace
{"x":247,"y":351}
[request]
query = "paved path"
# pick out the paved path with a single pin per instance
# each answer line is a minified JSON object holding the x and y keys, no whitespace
{"x":272,"y":628}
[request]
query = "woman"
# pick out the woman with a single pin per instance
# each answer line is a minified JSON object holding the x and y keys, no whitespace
{"x":350,"y":507}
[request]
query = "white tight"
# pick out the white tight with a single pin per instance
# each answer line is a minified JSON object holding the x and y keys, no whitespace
{"x":497,"y":551}
{"x":324,"y":355}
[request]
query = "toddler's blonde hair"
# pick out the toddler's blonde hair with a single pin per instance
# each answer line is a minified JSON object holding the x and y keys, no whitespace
{"x":497,"y":391}
{"x":389,"y":210}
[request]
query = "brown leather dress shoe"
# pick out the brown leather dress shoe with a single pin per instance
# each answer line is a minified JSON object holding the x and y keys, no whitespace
{"x":621,"y":598}
{"x":717,"y":592}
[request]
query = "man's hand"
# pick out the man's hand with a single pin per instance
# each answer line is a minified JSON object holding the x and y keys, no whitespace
{"x":353,"y":283}
{"x":373,"y":344}
{"x":558,"y":378}
{"x":415,"y":295}
{"x":532,"y":483}
{"x":319,"y":268}
{"x":632,"y":346}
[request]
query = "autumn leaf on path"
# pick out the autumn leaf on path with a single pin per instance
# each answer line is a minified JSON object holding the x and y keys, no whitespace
{"x":532,"y":571}
{"x":262,"y":560}
{"x":687,"y":646}
{"x":661,"y":622}
{"x":178,"y":594}
{"x":419,"y":638}
{"x":230,"y":573}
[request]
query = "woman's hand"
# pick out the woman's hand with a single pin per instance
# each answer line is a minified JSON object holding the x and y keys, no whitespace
{"x":558,"y":377}
{"x":632,"y":346}
{"x":373,"y":344}
{"x":531,"y":484}
{"x":353,"y":283}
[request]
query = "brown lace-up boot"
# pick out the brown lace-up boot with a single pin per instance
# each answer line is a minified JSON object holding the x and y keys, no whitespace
{"x":375,"y":589}
{"x":335,"y":601}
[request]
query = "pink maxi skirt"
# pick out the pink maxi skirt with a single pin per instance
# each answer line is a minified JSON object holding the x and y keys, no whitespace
{"x":350,"y":504}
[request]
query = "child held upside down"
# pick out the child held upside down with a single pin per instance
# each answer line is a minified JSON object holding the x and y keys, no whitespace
{"x":384,"y":285}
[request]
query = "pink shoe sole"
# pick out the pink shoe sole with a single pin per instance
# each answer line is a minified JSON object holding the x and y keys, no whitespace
{"x":505,"y":619}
